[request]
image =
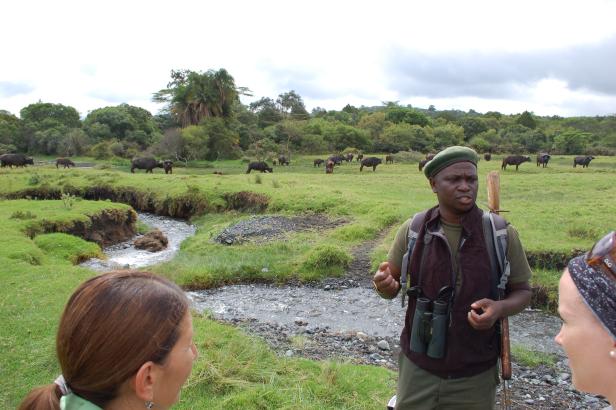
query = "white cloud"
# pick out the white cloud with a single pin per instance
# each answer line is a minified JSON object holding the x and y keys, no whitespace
{"x":94,"y":54}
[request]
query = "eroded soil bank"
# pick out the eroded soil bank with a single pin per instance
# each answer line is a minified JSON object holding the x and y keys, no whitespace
{"x":124,"y":255}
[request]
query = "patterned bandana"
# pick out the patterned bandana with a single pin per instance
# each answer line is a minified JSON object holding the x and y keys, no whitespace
{"x":598,"y":292}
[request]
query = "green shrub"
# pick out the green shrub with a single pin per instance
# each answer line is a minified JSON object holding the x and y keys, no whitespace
{"x":324,"y":257}
{"x":34,"y":179}
{"x":22,"y":215}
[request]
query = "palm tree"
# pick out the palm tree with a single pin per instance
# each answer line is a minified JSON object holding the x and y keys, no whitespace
{"x":192,"y":96}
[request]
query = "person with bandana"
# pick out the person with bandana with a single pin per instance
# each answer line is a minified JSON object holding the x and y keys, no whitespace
{"x":587,"y":306}
{"x":125,"y":341}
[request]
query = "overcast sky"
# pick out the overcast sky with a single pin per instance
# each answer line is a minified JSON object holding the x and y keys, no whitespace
{"x":548,"y":57}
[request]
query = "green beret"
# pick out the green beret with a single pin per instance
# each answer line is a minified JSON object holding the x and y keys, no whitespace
{"x":449,"y":156}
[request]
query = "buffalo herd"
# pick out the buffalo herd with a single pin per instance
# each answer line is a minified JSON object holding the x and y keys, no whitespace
{"x":149,"y":163}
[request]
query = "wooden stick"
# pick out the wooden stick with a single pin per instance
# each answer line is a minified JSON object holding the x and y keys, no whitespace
{"x":494,"y":205}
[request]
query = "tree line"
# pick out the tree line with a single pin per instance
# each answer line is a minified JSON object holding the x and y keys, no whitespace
{"x":204,"y":119}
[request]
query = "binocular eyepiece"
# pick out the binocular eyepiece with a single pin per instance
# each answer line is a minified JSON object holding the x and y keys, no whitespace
{"x":430,"y":322}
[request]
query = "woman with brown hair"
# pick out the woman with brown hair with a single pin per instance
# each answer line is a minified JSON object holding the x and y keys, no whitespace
{"x":125,"y":341}
{"x":587,"y":306}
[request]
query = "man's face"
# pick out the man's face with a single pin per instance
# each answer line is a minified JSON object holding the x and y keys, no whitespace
{"x":456,"y":187}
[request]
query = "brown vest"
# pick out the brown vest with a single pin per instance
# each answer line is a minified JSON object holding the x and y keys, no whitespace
{"x":468,"y":351}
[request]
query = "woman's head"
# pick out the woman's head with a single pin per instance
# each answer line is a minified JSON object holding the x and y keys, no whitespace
{"x":587,"y":306}
{"x":126,"y":334}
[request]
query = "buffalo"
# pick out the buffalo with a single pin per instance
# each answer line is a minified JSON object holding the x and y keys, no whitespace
{"x":337,"y":159}
{"x":349,"y":157}
{"x":370,"y":162}
{"x":317,"y":162}
{"x":514,"y":160}
{"x":423,"y":163}
{"x":487,"y":156}
{"x":64,"y":161}
{"x":389,"y":159}
{"x":360,"y":157}
{"x":282,"y":160}
{"x":583,"y":161}
{"x":329,"y":167}
{"x":543,"y":158}
{"x":259,"y":166}
{"x":149,"y":163}
{"x":19,"y":160}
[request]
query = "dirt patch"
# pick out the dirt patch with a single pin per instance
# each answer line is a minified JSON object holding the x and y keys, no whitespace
{"x":105,"y":228}
{"x":267,"y":228}
{"x":245,"y":201}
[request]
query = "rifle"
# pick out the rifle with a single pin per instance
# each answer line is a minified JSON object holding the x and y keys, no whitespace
{"x":505,"y":351}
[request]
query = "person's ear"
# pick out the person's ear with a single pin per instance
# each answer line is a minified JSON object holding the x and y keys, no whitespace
{"x":432,"y":184}
{"x":144,"y":381}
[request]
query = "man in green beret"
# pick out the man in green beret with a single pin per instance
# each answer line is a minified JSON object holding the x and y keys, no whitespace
{"x":450,"y":341}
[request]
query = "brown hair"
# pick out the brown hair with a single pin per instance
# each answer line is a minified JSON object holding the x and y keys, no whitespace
{"x":112,"y":324}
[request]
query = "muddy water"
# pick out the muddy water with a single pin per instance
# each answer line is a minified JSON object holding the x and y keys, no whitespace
{"x":352,"y":309}
{"x":125,"y":255}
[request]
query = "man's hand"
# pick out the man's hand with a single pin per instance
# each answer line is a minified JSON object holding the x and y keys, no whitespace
{"x":385,"y":283}
{"x":484,"y":313}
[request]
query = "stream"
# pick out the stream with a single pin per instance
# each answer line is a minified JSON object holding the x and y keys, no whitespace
{"x":348,"y":310}
{"x":124,"y":255}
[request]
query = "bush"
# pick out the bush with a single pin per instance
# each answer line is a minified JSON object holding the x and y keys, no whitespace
{"x":324,"y":257}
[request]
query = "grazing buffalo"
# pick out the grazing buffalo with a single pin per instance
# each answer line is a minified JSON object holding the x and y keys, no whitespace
{"x":429,"y":156}
{"x":282,"y":160}
{"x":514,"y":160}
{"x":543,"y":158}
{"x":583,"y":161}
{"x":370,"y":162}
{"x":487,"y":156}
{"x":360,"y":157}
{"x":349,"y":157}
{"x":258,"y":166}
{"x":329,"y":167}
{"x":317,"y":162}
{"x":64,"y":161}
{"x":19,"y":160}
{"x":423,"y":163}
{"x":389,"y":159}
{"x":337,"y":159}
{"x":149,"y":164}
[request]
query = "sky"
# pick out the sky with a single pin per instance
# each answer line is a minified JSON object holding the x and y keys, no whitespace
{"x":547,"y":57}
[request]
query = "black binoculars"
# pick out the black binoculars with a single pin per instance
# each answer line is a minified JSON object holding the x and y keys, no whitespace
{"x":430,"y":322}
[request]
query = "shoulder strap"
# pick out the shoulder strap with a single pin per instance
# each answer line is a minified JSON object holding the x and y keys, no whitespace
{"x":413,"y":232}
{"x":495,"y":233}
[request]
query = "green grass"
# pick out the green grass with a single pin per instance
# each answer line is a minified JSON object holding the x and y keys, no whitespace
{"x":531,"y":358}
{"x":556,"y":211}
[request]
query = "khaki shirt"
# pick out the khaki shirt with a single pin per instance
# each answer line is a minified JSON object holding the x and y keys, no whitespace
{"x":520,"y":270}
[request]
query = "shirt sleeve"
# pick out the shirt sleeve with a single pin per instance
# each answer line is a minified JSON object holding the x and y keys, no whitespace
{"x":400,"y":245}
{"x":520,"y":270}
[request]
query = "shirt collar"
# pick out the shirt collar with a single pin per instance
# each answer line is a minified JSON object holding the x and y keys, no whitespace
{"x":74,"y":402}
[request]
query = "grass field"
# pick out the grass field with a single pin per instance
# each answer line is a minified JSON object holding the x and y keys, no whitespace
{"x":556,"y":210}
